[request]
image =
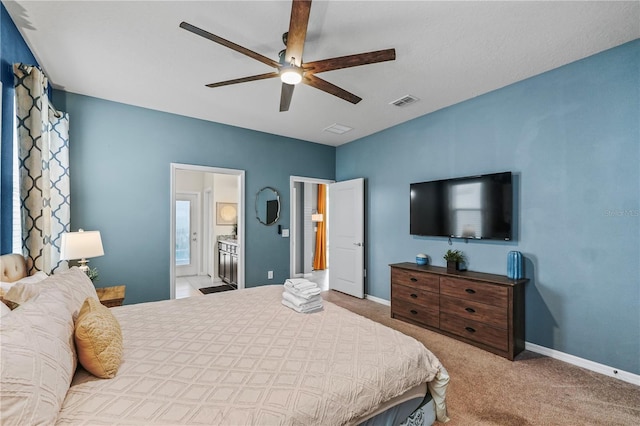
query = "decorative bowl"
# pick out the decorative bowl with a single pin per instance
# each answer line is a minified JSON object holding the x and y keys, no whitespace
{"x":421,"y":259}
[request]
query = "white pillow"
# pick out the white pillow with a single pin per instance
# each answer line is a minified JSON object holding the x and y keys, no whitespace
{"x":38,"y":359}
{"x":74,"y":283}
{"x":35,"y":278}
{"x":77,"y":285}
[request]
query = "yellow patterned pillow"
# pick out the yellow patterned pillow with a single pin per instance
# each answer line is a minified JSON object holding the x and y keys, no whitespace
{"x":98,"y":339}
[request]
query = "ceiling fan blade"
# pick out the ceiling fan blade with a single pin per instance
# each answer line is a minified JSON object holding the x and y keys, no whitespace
{"x":350,"y":61}
{"x":285,"y":96}
{"x":325,"y":86}
{"x":229,"y":44}
{"x":244,"y":79}
{"x":297,"y":30}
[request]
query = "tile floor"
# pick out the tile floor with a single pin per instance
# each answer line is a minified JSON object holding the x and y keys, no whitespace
{"x":188,"y":286}
{"x":321,"y":278}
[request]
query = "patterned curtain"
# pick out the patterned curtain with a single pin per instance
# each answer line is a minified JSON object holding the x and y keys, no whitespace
{"x":43,"y":151}
{"x":320,"y":258}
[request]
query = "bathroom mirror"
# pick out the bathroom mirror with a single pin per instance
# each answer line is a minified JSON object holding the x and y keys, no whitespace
{"x":267,"y":206}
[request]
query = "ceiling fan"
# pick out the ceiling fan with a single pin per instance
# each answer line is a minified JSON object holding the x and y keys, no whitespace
{"x":290,"y":67}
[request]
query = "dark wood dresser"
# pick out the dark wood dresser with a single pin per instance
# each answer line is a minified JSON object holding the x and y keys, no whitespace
{"x":484,"y":310}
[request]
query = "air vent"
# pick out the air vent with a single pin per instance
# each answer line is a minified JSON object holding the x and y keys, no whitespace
{"x":405,"y":100}
{"x":338,"y":129}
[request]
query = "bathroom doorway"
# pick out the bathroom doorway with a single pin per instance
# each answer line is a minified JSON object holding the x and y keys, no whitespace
{"x":213,"y":187}
{"x":305,"y":221}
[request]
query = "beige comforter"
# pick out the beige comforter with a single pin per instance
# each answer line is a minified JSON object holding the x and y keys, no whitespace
{"x":241,"y":357}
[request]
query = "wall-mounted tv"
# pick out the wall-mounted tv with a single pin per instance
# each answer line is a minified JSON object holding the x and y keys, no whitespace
{"x":475,"y":207}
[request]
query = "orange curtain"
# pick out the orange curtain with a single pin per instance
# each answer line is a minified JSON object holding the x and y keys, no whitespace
{"x":320,"y":258}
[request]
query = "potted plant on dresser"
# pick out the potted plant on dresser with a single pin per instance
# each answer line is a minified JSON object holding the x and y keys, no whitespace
{"x":454,"y":258}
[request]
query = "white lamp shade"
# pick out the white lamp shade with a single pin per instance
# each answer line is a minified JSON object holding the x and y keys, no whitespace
{"x":80,"y":245}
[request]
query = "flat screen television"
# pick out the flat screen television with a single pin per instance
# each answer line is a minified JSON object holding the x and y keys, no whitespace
{"x":475,"y":207}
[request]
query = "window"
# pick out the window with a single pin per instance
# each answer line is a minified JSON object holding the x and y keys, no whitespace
{"x":183,"y":230}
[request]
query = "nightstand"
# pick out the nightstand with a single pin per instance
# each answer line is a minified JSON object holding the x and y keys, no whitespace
{"x":111,"y":296}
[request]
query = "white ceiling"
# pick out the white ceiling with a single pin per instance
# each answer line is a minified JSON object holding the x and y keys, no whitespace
{"x":134,"y":52}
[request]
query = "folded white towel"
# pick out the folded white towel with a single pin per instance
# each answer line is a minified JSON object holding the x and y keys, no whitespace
{"x":299,"y":301}
{"x":296,"y":281}
{"x":309,"y":309}
{"x":305,"y":285}
{"x":300,"y":285}
{"x":305,"y":293}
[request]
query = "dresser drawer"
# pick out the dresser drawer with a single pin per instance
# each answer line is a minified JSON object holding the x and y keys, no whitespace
{"x":415,"y":279}
{"x":481,"y":312}
{"x":475,"y":291}
{"x":478,"y":332}
{"x":421,"y":314}
{"x":415,"y":295}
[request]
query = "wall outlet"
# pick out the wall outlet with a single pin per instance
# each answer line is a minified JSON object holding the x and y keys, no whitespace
{"x":270,"y":275}
{"x":285,"y":233}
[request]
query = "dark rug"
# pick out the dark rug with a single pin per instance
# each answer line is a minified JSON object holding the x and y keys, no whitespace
{"x":216,"y":289}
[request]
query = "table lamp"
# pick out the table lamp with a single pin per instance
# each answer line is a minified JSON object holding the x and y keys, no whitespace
{"x":81,"y":245}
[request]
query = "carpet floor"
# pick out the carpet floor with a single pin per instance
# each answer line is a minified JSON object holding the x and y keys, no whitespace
{"x":486,"y":389}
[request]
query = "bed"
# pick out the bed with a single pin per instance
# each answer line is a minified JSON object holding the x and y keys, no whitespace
{"x":231,"y":358}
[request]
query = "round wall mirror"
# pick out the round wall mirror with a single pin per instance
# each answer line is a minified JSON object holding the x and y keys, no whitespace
{"x":267,"y":206}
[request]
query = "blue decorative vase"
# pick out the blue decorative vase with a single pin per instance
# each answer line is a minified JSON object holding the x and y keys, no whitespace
{"x":514,"y":265}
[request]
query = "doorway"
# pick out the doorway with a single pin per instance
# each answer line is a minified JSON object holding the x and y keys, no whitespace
{"x":304,"y":223}
{"x":195,"y":192}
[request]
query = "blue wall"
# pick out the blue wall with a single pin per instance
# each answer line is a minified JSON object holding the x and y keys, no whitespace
{"x":120,"y":159}
{"x":572,"y":137}
{"x":12,"y":49}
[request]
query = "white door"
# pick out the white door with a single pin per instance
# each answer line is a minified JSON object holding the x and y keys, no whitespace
{"x":346,"y":237}
{"x":186,"y":234}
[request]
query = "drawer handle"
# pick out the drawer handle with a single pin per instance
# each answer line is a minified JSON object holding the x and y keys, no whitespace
{"x":414,"y":312}
{"x":470,"y":329}
{"x":470,"y":291}
{"x":470,"y":310}
{"x":415,"y":296}
{"x":413,"y":279}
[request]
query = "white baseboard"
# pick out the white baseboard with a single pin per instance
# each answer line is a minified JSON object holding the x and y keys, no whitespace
{"x":625,"y":376}
{"x":377,"y":300}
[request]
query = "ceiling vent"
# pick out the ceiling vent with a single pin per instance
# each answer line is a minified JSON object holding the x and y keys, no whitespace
{"x":404,"y":101}
{"x":338,"y":129}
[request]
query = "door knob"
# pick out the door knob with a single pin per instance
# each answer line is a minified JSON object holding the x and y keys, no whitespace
{"x":358,"y":244}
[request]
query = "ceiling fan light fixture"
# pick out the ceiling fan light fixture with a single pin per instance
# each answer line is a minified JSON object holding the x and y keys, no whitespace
{"x":291,"y":74}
